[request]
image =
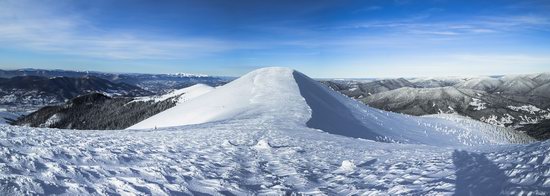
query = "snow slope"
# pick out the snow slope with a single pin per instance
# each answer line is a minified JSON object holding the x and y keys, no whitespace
{"x":288,"y":96}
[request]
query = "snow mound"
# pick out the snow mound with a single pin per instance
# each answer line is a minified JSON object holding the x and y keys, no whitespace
{"x":347,"y":166}
{"x":282,"y":95}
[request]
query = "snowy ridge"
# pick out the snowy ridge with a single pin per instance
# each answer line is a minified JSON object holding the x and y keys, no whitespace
{"x":253,"y":94}
{"x":291,"y":97}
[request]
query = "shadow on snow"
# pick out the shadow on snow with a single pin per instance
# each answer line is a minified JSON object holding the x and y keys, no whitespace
{"x":477,"y":175}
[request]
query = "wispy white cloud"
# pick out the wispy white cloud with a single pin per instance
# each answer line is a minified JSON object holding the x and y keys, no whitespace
{"x":476,"y":25}
{"x":502,"y":59}
{"x":38,"y":26}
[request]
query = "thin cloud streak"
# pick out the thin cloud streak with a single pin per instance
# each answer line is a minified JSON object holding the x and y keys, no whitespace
{"x":476,"y":25}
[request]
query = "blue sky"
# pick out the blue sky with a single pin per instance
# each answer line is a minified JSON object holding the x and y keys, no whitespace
{"x":320,"y":38}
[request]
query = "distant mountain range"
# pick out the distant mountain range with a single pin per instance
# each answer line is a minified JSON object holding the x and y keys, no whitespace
{"x":156,"y":83}
{"x":359,"y":89}
{"x":32,"y":91}
{"x":519,"y":101}
{"x":26,"y":90}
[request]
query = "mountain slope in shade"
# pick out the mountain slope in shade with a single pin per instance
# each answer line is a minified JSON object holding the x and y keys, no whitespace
{"x":288,"y":96}
{"x":97,"y":111}
{"x":542,"y":90}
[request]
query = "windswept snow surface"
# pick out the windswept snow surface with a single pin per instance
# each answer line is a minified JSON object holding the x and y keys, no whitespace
{"x":254,"y":156}
{"x":243,"y":144}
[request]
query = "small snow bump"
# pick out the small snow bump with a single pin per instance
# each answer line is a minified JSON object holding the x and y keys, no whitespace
{"x":262,"y":144}
{"x":347,"y":166}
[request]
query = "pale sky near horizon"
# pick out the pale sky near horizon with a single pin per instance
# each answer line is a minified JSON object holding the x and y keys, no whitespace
{"x":322,"y":38}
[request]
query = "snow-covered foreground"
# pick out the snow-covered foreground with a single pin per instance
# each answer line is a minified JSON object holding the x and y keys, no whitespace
{"x":276,"y":131}
{"x":254,"y":157}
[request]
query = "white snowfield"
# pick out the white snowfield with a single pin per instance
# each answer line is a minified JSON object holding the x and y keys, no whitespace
{"x":275,"y":131}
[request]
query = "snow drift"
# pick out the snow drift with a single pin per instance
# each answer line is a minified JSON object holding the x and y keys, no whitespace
{"x":287,"y":96}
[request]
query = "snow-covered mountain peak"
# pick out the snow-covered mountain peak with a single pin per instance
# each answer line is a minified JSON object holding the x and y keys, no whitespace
{"x":278,"y":96}
{"x":267,"y":91}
